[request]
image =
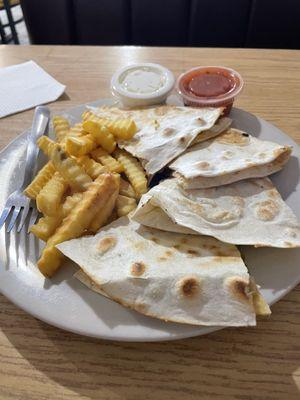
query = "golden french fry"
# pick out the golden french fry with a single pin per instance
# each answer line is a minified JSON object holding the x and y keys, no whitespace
{"x":123,"y":129}
{"x":69,"y":169}
{"x":87,"y":114}
{"x":92,"y":168}
{"x":79,"y":146}
{"x":124,"y":205}
{"x":45,"y":227}
{"x":101,"y":134}
{"x":101,"y":156}
{"x":126,"y":189}
{"x":43,"y":176}
{"x":104,"y":213}
{"x":133,"y":170}
{"x":70,"y":202}
{"x":61,"y":127}
{"x":93,"y":200}
{"x":49,"y":199}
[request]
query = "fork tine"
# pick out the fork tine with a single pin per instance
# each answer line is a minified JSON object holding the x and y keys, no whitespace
{"x":33,"y":218}
{"x":23,"y":217}
{"x":4,"y":216}
{"x":13,"y":219}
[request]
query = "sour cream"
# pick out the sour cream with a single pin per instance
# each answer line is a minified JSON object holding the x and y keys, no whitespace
{"x":142,"y":84}
{"x":142,"y":80}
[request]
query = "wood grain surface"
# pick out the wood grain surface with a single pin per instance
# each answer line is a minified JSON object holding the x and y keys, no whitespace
{"x":40,"y":362}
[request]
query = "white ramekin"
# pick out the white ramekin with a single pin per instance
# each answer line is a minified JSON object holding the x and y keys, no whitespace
{"x":130,"y":99}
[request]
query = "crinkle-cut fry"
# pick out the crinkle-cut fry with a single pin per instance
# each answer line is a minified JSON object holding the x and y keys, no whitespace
{"x":45,"y":227}
{"x":67,"y":166}
{"x":49,"y":199}
{"x":79,"y":146}
{"x":101,"y":156}
{"x":61,"y":127}
{"x":70,"y":202}
{"x":75,"y":131}
{"x":104,"y":213}
{"x":50,"y":261}
{"x":43,"y":176}
{"x":126,"y":189}
{"x":101,"y":134}
{"x":133,"y":170}
{"x":86,"y":114}
{"x":79,"y":219}
{"x":123,"y":129}
{"x":124,"y":205}
{"x":92,"y":168}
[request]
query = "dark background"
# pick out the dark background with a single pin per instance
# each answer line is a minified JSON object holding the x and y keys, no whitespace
{"x":213,"y":23}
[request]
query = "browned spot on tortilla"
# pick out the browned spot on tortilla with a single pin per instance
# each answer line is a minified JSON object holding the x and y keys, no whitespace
{"x":267,"y":210}
{"x":138,"y":268}
{"x":189,"y":287}
{"x":219,"y":260}
{"x":233,"y":136}
{"x":183,"y":240}
{"x":273,"y":193}
{"x":203,"y":165}
{"x":162,"y":258}
{"x":197,"y":208}
{"x":288,"y":244}
{"x":139,"y":245}
{"x":238,"y":287}
{"x":262,"y":155}
{"x":193,"y":252}
{"x":200,"y":121}
{"x":106,"y":244}
{"x":182,"y":139}
{"x":168,"y":253}
{"x":282,"y":156}
{"x":239,"y":201}
{"x":168,"y":131}
{"x":162,"y":110}
{"x":154,"y":239}
{"x":177,"y":246}
{"x":141,"y":307}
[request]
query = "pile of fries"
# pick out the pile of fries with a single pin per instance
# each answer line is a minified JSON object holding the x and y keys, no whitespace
{"x":87,"y":183}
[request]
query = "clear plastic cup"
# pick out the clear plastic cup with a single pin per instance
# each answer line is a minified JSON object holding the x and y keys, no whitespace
{"x":210,"y":86}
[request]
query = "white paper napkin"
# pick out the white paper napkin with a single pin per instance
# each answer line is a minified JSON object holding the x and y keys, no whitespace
{"x":24,"y":86}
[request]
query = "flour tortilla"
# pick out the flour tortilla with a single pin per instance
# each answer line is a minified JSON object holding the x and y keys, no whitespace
{"x":232,"y":156}
{"x":222,"y":124}
{"x":249,"y":212}
{"x":164,"y":132}
{"x":175,"y":277}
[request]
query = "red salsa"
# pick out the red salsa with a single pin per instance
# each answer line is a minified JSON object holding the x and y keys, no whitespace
{"x":209,"y":87}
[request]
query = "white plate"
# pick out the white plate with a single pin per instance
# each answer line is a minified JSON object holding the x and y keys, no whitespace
{"x":64,"y":302}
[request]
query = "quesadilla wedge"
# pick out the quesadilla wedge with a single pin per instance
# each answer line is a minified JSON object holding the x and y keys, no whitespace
{"x":163,"y":132}
{"x":249,"y":212}
{"x":174,"y":277}
{"x":232,"y":156}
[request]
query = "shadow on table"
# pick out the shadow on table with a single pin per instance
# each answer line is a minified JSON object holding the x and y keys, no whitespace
{"x":253,"y":363}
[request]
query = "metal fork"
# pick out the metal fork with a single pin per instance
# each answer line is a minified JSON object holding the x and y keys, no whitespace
{"x":17,"y":203}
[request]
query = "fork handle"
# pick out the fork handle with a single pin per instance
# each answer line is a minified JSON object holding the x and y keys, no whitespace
{"x":39,"y":127}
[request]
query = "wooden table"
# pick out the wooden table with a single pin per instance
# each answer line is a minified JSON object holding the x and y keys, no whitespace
{"x":42,"y":362}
